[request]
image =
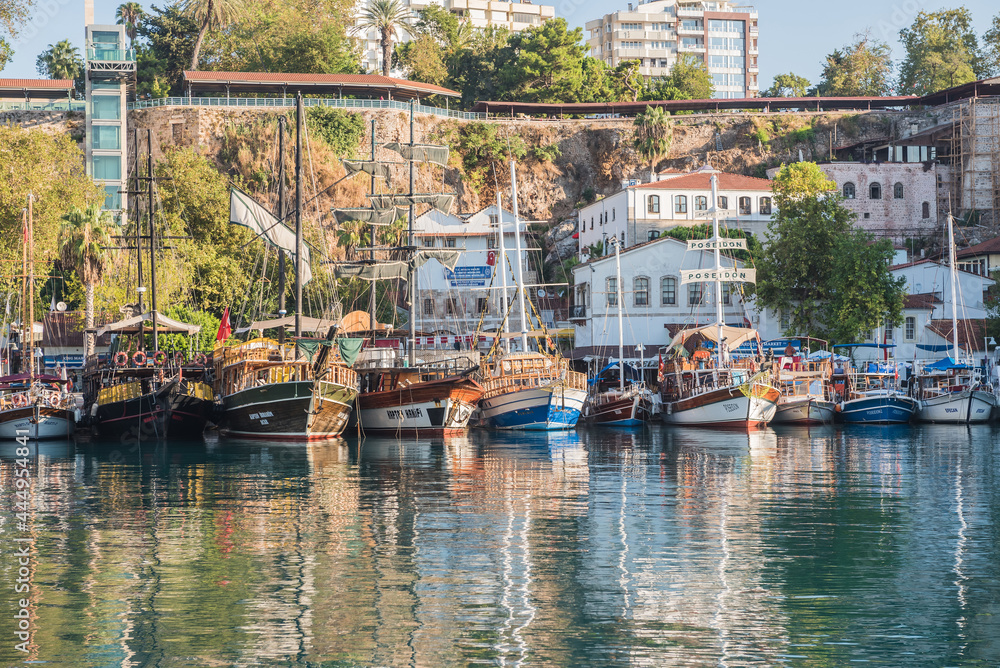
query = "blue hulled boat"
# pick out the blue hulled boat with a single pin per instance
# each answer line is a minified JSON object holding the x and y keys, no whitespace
{"x":870,"y":395}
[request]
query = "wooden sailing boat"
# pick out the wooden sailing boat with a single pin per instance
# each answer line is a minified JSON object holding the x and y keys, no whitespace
{"x":528,"y":390}
{"x":140,"y":394}
{"x":268,"y":388}
{"x":33,"y":405}
{"x":806,"y":391}
{"x":723,"y":394}
{"x":431,"y":398}
{"x":630,"y":403}
{"x":951,"y":390}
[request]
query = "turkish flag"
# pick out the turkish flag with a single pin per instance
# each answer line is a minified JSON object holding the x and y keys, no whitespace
{"x":224,"y":329}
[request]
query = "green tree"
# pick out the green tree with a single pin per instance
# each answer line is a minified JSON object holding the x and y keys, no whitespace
{"x":941,"y":51}
{"x":596,"y":85}
{"x":388,"y":17}
{"x":167,"y":42}
{"x":991,"y":49}
{"x":12,"y":14}
{"x":128,"y":15}
{"x":60,"y":61}
{"x":691,"y":78}
{"x":547,"y":63}
{"x":422,"y":60}
{"x":627,"y":82}
{"x":211,"y":15}
{"x":787,"y":85}
{"x":477,"y":72}
{"x":84,"y":238}
{"x":831,"y":279}
{"x":863,"y":68}
{"x":654,"y":133}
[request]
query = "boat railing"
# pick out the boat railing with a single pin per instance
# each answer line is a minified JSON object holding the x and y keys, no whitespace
{"x":33,"y":397}
{"x":342,"y":375}
{"x":120,"y":392}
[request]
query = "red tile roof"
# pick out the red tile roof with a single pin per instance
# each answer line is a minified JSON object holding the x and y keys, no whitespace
{"x":926,"y":300}
{"x":970,"y":332}
{"x":376,"y":81}
{"x":703,"y":181}
{"x":36,"y":84}
{"x":990,"y":246}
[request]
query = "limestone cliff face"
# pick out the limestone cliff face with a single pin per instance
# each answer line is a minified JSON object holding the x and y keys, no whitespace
{"x":594,"y":155}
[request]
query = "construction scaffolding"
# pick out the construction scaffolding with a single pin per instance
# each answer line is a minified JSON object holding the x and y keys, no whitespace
{"x":975,"y":159}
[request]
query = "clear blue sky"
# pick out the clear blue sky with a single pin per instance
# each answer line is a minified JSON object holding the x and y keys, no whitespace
{"x":794,"y":35}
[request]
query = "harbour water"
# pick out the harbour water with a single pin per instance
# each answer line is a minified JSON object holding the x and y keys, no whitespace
{"x":597,"y":547}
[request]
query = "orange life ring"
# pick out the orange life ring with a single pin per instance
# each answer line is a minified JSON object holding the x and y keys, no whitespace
{"x":121,"y":358}
{"x":20,"y":400}
{"x":54,"y":400}
{"x":179,"y":358}
{"x":159,"y":358}
{"x":200,"y":359}
{"x":139,"y":358}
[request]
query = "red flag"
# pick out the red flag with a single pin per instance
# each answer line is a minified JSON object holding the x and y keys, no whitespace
{"x":659,"y":373}
{"x":224,"y":329}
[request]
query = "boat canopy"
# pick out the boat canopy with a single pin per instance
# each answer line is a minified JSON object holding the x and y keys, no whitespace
{"x":164,"y":325}
{"x":880,"y":346}
{"x":733,"y":336}
{"x":308,"y":324}
{"x":631,"y":372}
{"x":946,"y":364}
{"x":20,"y":378}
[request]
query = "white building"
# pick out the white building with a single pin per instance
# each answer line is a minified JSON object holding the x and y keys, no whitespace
{"x":451,"y":302}
{"x":515,"y":16}
{"x":640,"y":213}
{"x":656,"y":305}
{"x":656,"y":33}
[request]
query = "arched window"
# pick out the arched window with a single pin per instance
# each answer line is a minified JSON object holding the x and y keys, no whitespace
{"x":701,"y":203}
{"x":849,"y":191}
{"x":723,"y":202}
{"x":875,"y":190}
{"x":640,"y":291}
{"x":925,"y":209}
{"x":668,"y":291}
{"x":744,"y":204}
{"x":612,"y":292}
{"x":765,"y":206}
{"x":653,"y":204}
{"x":897,"y":191}
{"x":681,"y":204}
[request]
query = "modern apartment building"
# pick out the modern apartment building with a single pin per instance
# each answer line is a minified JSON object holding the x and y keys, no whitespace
{"x":516,"y":16}
{"x":657,"y":33}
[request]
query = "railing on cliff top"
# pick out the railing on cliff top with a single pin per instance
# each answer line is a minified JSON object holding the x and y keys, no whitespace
{"x":309,"y":102}
{"x":64,"y":105}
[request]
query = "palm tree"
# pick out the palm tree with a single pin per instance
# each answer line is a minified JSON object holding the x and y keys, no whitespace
{"x":654,"y":133}
{"x":128,"y":14}
{"x":386,"y":16}
{"x":83,"y":241}
{"x":211,"y":14}
{"x":60,"y":61}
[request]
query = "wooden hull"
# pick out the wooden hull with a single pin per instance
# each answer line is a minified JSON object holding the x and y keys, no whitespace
{"x":431,"y":407}
{"x":168,"y":413}
{"x":293,"y":410}
{"x":967,"y":406}
{"x":804,"y":410}
{"x":725,"y":408}
{"x":37,"y":423}
{"x":610,"y":410}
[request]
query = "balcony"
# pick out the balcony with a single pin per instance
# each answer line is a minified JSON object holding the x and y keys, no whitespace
{"x":691,"y":48}
{"x":754,"y":30}
{"x":690,"y":13}
{"x":111,"y":55}
{"x":577,"y":312}
{"x":690,"y":31}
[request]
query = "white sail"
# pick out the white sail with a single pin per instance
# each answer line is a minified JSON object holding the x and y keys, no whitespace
{"x":245,"y":211}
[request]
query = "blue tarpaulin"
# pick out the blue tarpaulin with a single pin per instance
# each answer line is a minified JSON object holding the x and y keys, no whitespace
{"x":934,"y":347}
{"x":946,"y":364}
{"x":631,"y":372}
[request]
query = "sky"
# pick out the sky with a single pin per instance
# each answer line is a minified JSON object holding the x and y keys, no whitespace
{"x":795,"y":35}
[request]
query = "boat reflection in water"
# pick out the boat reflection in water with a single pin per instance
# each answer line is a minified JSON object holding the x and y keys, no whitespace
{"x":52,"y":449}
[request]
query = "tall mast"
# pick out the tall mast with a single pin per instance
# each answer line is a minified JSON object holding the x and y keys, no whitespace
{"x":152,"y":240}
{"x":954,"y":279}
{"x":620,"y":297}
{"x":138,"y":241}
{"x":30,"y":350}
{"x":298,"y":213}
{"x":281,"y":217}
{"x":502,"y":263}
{"x":520,"y":271}
{"x":411,"y":282}
{"x":371,"y":254}
{"x":718,"y":266}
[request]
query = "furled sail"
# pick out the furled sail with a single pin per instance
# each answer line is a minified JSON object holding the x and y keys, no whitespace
{"x":370,"y":167}
{"x":245,"y":211}
{"x":376,"y":271}
{"x":372,"y":216}
{"x":439,"y":201}
{"x":421,"y":152}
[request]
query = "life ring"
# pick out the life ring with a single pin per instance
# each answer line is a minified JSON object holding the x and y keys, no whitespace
{"x":139,"y":358}
{"x":179,"y":358}
{"x":121,"y":358}
{"x":159,"y":358}
{"x":20,"y":400}
{"x":54,"y":400}
{"x":200,"y":359}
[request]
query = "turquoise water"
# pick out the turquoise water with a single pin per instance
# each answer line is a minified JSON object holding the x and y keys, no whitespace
{"x":660,"y":547}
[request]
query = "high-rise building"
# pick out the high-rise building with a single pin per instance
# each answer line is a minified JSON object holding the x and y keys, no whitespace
{"x":657,"y":33}
{"x":515,"y":16}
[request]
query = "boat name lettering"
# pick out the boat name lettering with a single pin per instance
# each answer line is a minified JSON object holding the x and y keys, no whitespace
{"x":262,"y":414}
{"x":721,"y":244}
{"x":729,"y":408}
{"x":409,"y":413}
{"x":951,"y":410}
{"x":728,"y":274}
